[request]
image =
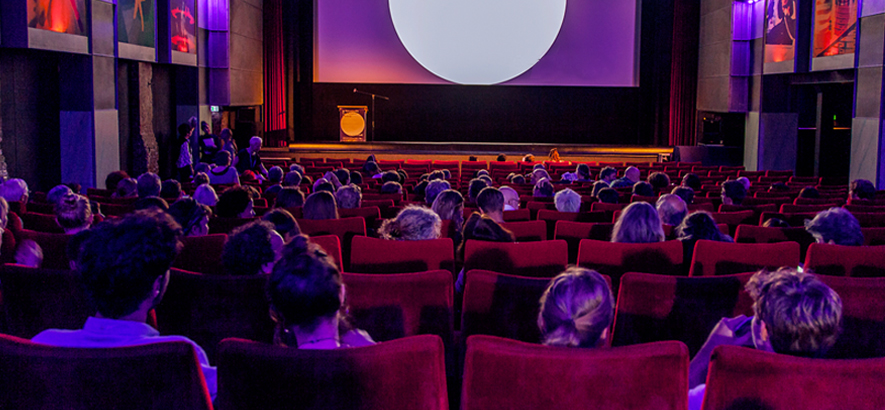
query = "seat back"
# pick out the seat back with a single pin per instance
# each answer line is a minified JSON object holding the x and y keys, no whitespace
{"x":331,"y":245}
{"x":723,"y":258}
{"x":202,"y":254}
{"x":508,"y":374}
{"x":855,"y":261}
{"x":371,"y":214}
{"x":551,"y":217}
{"x":54,"y":246}
{"x":398,"y":305}
{"x":871,"y":236}
{"x":158,"y":375}
{"x":574,"y":232}
{"x":516,"y":215}
{"x":863,"y":317}
{"x":653,"y":307}
{"x":747,"y":378}
{"x":615,"y":259}
{"x":209,"y":308}
{"x":536,"y":259}
{"x":502,"y":305}
{"x":345,"y":229}
{"x":372,"y":255}
{"x":40,"y":222}
{"x":226,"y":225}
{"x":528,"y":231}
{"x":404,"y":374}
{"x":761,"y":234}
{"x":38,"y":299}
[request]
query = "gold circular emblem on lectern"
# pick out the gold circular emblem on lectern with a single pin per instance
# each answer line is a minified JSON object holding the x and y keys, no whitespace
{"x":352,"y":124}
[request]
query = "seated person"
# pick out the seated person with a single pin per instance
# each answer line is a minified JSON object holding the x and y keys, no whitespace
{"x":658,"y":181}
{"x":292,"y":179}
{"x":235,"y":202}
{"x":809,"y":192}
{"x":323,"y":184}
{"x":149,"y":184}
{"x":643,"y":188}
{"x":481,"y":228}
{"x":149,"y":202}
{"x":348,"y":196}
{"x":528,"y":158}
{"x":56,"y":193}
{"x":206,"y":195}
{"x":543,"y":189}
{"x":249,"y":159}
{"x":343,"y":175}
{"x":275,"y":179}
{"x":192,"y":216}
{"x":577,"y":309}
{"x":436,"y":174}
{"x":567,"y":200}
{"x":202,"y":177}
{"x":29,"y":253}
{"x":491,"y":202}
{"x":638,"y":223}
{"x":608,"y":196}
{"x":691,"y":180}
{"x":699,"y":225}
{"x":511,"y":198}
{"x":73,"y":213}
{"x":598,"y":186}
{"x":608,"y":175}
{"x":126,"y":188}
{"x":631,"y":177}
{"x":413,"y":223}
{"x":283,"y":222}
{"x":684,"y":192}
{"x":553,"y":156}
{"x":835,"y":226}
{"x":124,"y":266}
{"x":320,"y":205}
{"x":517,"y":179}
{"x":794,"y":314}
{"x":170,"y":189}
{"x":857,"y":189}
{"x":307,"y":300}
{"x":582,"y":171}
{"x":449,"y":205}
{"x":223,"y":172}
{"x":671,"y":209}
{"x":391,"y":176}
{"x":475,"y":186}
{"x":391,"y":187}
{"x":356,"y":178}
{"x":540,"y":173}
{"x":252,"y":249}
{"x":111,"y":181}
{"x":289,"y":197}
{"x":745,"y":182}
{"x":733,"y":193}
{"x":15,"y":190}
{"x":434,"y":187}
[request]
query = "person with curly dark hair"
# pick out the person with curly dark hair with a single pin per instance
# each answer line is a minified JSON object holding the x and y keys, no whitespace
{"x":192,"y":216}
{"x":251,"y":249}
{"x":235,"y":202}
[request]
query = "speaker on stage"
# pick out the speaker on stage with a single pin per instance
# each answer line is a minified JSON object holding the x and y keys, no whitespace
{"x":352,"y":123}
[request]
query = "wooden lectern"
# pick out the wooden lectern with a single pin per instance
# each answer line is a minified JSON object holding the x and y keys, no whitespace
{"x":352,"y":123}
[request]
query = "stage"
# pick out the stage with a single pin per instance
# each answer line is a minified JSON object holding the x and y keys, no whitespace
{"x":484,"y":151}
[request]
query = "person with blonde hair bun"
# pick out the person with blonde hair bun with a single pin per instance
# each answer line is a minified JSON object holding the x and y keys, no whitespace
{"x":577,"y":309}
{"x":413,"y":223}
{"x":638,"y":223}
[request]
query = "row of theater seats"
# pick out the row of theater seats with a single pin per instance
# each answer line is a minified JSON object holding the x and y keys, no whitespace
{"x":410,"y":371}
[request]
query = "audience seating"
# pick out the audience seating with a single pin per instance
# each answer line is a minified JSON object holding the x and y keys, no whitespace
{"x":345,"y":229}
{"x":722,"y":258}
{"x":615,"y":259}
{"x":790,"y":208}
{"x":528,"y":231}
{"x":871,"y":236}
{"x":535,"y":259}
{"x":370,"y":214}
{"x":331,"y":245}
{"x":513,"y":216}
{"x":743,"y":378}
{"x":398,"y":305}
{"x":760,"y":234}
{"x":502,"y":305}
{"x":372,"y":255}
{"x":863,"y":317}
{"x":202,"y":254}
{"x":403,"y":374}
{"x":34,"y":300}
{"x":854,"y":261}
{"x":54,"y":246}
{"x":551,"y":218}
{"x":733,"y":219}
{"x":653,"y":307}
{"x":158,"y":376}
{"x":40,"y":222}
{"x":574,"y":232}
{"x":209,"y":308}
{"x":226,"y":225}
{"x":513,"y":375}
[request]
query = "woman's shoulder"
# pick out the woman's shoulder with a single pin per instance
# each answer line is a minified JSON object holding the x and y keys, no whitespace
{"x":356,"y":338}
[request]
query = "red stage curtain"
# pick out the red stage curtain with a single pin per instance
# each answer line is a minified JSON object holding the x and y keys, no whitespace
{"x":684,"y":72}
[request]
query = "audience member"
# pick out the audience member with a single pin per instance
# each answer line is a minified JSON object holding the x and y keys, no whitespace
{"x":671,"y":209}
{"x":203,"y":168}
{"x":206,"y":195}
{"x":113,"y":179}
{"x":413,"y":223}
{"x":252,"y":249}
{"x":567,"y":200}
{"x":691,"y":180}
{"x":809,"y":192}
{"x":449,"y":205}
{"x":631,"y":176}
{"x":289,"y":197}
{"x":543,"y":189}
{"x":275,"y":179}
{"x":209,"y":145}
{"x":149,"y":185}
{"x":511,"y":198}
{"x":192,"y":216}
{"x":473,"y":189}
{"x":577,"y":309}
{"x":501,"y":158}
{"x":391,"y":187}
{"x":249,"y":159}
{"x":436,"y":174}
{"x":775,"y":223}
{"x":73,"y":213}
{"x":292,"y":179}
{"x":598,"y":186}
{"x":643,"y":188}
{"x":171,"y":189}
{"x":283,"y":222}
{"x":608,"y":196}
{"x":29,"y":253}
{"x":202,"y":177}
{"x":658,"y":180}
{"x":491,"y":202}
{"x":528,"y":158}
{"x":127,"y":188}
{"x":638,"y":223}
{"x":320,"y":205}
{"x":684,"y":192}
{"x":306,"y":297}
{"x":124,"y":264}
{"x":343,"y":175}
{"x":434,"y":187}
{"x":223,"y":172}
{"x":323,"y":184}
{"x":229,"y":144}
{"x":348,"y":196}
{"x":540,"y":173}
{"x":356,"y":178}
{"x":235,"y":202}
{"x":391,"y":176}
{"x":553,"y":156}
{"x":151,"y":202}
{"x":857,"y":189}
{"x":517,"y":179}
{"x":480,"y":228}
{"x":835,"y":226}
{"x":56,"y":193}
{"x":745,"y":182}
{"x":699,"y":225}
{"x":733,"y":193}
{"x":582,"y":171}
{"x":447,"y":174}
{"x":608,"y":175}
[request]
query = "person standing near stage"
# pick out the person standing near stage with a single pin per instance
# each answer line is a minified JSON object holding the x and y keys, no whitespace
{"x":185,"y":161}
{"x":250,"y":159}
{"x":208,"y":144}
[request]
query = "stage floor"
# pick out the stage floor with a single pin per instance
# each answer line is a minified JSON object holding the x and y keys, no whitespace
{"x":484,"y":151}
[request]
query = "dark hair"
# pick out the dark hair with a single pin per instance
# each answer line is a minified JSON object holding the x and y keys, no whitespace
{"x":734,"y":190}
{"x":356,"y":178}
{"x":543,"y":189}
{"x":170,"y":188}
{"x":483,"y":228}
{"x":320,"y":205}
{"x":490,"y":199}
{"x":809,"y":192}
{"x":289,"y":197}
{"x":391,"y":187}
{"x":476,"y":185}
{"x":518,"y":179}
{"x":778,"y":186}
{"x":148,"y":185}
{"x":436,"y":174}
{"x":447,"y":174}
{"x":658,"y":180}
{"x":501,"y":158}
{"x":275,"y":174}
{"x":472,"y":158}
{"x":292,"y":178}
{"x":232,"y":202}
{"x":114,"y":178}
{"x":283,"y":222}
{"x":390,"y":176}
{"x":862,"y":188}
{"x":684,"y":192}
{"x":183,"y":130}
{"x":837,"y":225}
{"x":188,"y":213}
{"x":576,"y":308}
{"x":643,"y":188}
{"x":343,"y":175}
{"x":775,"y":223}
{"x":324,"y":185}
{"x":692,"y":181}
{"x":149,"y":202}
{"x":608,"y":196}
{"x":304,"y":287}
{"x":247,"y":248}
{"x":583,"y":171}
{"x":201,"y":178}
{"x":73,"y":211}
{"x":606,"y":172}
{"x":222,"y":158}
{"x":433,"y":188}
{"x":120,"y":259}
{"x":700,"y":225}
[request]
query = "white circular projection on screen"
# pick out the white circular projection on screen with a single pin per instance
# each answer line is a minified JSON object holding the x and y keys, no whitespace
{"x":477,"y":41}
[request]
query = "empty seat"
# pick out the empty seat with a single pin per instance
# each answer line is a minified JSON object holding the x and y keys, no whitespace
{"x":536,"y":259}
{"x":345,"y":229}
{"x":40,"y":222}
{"x":38,"y":299}
{"x":226,"y":225}
{"x":502,"y":305}
{"x":209,"y":308}
{"x":551,"y":217}
{"x":158,"y":375}
{"x":743,"y":378}
{"x":760,"y":234}
{"x":863,"y":317}
{"x":574,"y":232}
{"x":372,"y":255}
{"x":712,"y":258}
{"x":404,"y":374}
{"x":54,"y":246}
{"x":615,"y":259}
{"x":332,"y":245}
{"x":855,"y":261}
{"x":508,"y":374}
{"x":527,"y":231}
{"x":201,"y":254}
{"x":652,"y":307}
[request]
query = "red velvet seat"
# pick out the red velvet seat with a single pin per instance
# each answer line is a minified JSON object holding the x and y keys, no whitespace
{"x":226,"y":225}
{"x":871,"y":236}
{"x":513,"y":375}
{"x":790,"y":208}
{"x":345,"y":229}
{"x":863,"y":317}
{"x":854,"y":261}
{"x":332,"y":245}
{"x":574,"y":232}
{"x":202,"y":254}
{"x":372,"y":255}
{"x":371,"y":214}
{"x":516,"y":215}
{"x":794,"y":219}
{"x":403,"y":374}
{"x":40,"y":222}
{"x":159,"y":376}
{"x":733,"y":219}
{"x":209,"y":308}
{"x":615,"y":259}
{"x":653,"y":307}
{"x":747,"y":378}
{"x":536,"y":259}
{"x":502,"y":305}
{"x":527,"y":231}
{"x":38,"y":299}
{"x":722,"y":258}
{"x":760,"y":234}
{"x":54,"y":246}
{"x":398,"y":305}
{"x":551,"y":218}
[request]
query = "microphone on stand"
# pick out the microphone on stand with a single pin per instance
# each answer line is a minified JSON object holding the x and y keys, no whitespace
{"x":354,"y":90}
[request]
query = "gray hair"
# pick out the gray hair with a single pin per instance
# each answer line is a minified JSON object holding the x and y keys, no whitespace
{"x":567,"y":200}
{"x":638,"y":223}
{"x":14,"y":189}
{"x":414,"y":223}
{"x":348,"y":196}
{"x":671,"y":209}
{"x":837,"y":225}
{"x":205,"y":194}
{"x":434,"y":188}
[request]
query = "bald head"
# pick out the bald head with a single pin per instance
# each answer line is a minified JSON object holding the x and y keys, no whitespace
{"x":672,"y":209}
{"x":632,"y":173}
{"x":511,"y":198}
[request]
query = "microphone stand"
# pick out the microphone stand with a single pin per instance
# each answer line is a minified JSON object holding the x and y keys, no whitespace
{"x":372,"y":139}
